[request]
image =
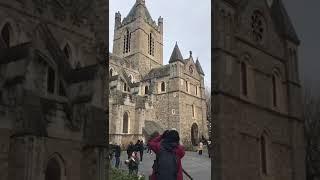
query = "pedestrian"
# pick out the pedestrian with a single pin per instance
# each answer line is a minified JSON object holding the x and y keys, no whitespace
{"x":141,"y":149}
{"x":137,"y":146}
{"x":133,"y":163}
{"x":209,"y":149}
{"x":200,"y":148}
{"x":117,"y":154}
{"x":130,"y":149}
{"x":169,"y":153}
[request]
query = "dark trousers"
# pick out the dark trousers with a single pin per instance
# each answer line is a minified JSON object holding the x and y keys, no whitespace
{"x":200,"y":152}
{"x":117,"y":162}
{"x":141,"y":155}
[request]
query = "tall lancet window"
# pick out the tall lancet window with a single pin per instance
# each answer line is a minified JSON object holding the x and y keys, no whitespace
{"x":5,"y":34}
{"x":263,"y":154}
{"x":126,"y":42}
{"x":244,"y":80}
{"x":151,"y":44}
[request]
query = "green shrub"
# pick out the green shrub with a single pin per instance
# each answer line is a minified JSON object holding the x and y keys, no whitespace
{"x":117,"y":174}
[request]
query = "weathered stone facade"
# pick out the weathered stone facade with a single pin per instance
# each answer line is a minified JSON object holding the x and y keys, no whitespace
{"x":259,"y":128}
{"x":52,"y":120}
{"x":153,"y":95}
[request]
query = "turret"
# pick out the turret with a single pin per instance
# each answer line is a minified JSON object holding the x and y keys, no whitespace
{"x":160,"y":24}
{"x":117,"y":23}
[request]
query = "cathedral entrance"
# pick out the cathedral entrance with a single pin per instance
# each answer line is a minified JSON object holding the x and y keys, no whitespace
{"x":194,"y":134}
{"x":53,"y":171}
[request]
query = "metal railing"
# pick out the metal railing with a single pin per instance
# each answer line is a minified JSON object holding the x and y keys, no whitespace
{"x":187,"y":174}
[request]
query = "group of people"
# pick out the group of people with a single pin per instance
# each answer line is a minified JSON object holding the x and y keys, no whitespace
{"x":134,"y":159}
{"x":169,"y":153}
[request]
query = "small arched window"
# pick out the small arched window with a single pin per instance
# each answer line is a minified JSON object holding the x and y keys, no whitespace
{"x":67,"y":51}
{"x":263,"y":154}
{"x":6,"y":34}
{"x":125,"y":127}
{"x":244,"y":79}
{"x":163,"y":87}
{"x":196,"y":90}
{"x":111,"y":72}
{"x":146,"y":89}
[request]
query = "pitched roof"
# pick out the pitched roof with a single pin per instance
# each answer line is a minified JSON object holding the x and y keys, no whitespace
{"x":199,"y":68}
{"x":283,"y":22}
{"x":158,"y":72}
{"x":134,"y":12}
{"x":176,"y":55}
{"x":14,"y":53}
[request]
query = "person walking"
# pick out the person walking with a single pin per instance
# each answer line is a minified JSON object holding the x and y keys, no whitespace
{"x":133,"y":163}
{"x":117,"y":154}
{"x":141,"y":149}
{"x":137,"y":146}
{"x":200,"y":148}
{"x":169,"y":153}
{"x":130,"y":149}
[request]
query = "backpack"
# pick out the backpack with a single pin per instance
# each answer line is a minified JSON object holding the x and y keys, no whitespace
{"x":165,"y":166}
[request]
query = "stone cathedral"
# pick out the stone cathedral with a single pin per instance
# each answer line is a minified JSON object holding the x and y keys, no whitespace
{"x":146,"y":95}
{"x":257,"y":108}
{"x":52,"y":78}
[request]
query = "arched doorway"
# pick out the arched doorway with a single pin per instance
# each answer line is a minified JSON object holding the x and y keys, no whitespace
{"x":194,"y":134}
{"x":53,"y":171}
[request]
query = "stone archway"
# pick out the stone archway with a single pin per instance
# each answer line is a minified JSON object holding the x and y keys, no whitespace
{"x":194,"y":134}
{"x":53,"y":170}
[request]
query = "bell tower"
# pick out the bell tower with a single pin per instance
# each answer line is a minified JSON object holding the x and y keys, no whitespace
{"x":138,"y":38}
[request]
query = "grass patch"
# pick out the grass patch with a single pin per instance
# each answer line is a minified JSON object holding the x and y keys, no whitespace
{"x":118,"y":174}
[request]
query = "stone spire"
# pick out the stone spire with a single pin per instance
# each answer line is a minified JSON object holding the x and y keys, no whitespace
{"x":199,"y":68}
{"x":139,"y":10}
{"x":176,"y":55}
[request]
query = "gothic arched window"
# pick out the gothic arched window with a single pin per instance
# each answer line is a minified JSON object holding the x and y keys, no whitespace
{"x":163,"y":87}
{"x":67,"y":51}
{"x":125,"y":127}
{"x":244,"y":79}
{"x":5,"y":34}
{"x":126,"y":42}
{"x":263,"y":154}
{"x":146,"y":89}
{"x":53,"y":170}
{"x":151,"y":44}
{"x":111,"y":72}
{"x":257,"y":26}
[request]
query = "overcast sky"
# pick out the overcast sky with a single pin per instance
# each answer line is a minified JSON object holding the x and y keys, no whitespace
{"x":186,"y":21}
{"x":305,"y":16}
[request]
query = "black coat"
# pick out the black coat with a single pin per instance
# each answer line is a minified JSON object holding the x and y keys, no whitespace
{"x":117,"y":151}
{"x":130,"y":149}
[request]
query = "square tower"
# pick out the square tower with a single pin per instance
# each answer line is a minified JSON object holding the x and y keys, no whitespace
{"x":139,"y":39}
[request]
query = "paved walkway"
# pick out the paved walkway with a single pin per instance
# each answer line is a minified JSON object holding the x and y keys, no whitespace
{"x":199,"y":167}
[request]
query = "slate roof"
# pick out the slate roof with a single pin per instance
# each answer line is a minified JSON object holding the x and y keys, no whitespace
{"x":158,"y":72}
{"x":14,"y":53}
{"x":83,"y":74}
{"x":283,"y":22}
{"x":199,"y":68}
{"x":134,"y":12}
{"x":176,"y":55}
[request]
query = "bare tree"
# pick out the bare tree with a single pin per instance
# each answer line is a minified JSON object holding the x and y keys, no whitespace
{"x":312,"y":133}
{"x":209,"y":115}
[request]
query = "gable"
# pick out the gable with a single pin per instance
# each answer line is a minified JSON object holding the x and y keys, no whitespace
{"x":255,"y":18}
